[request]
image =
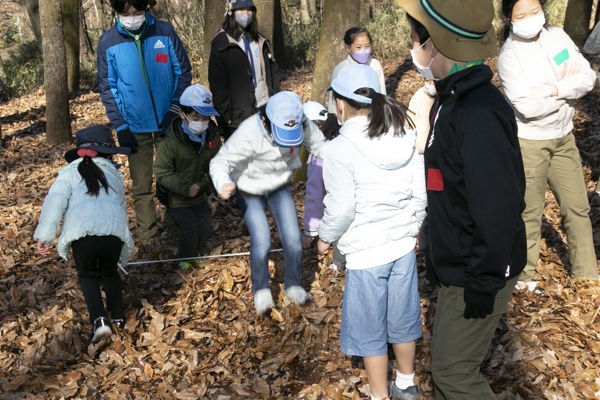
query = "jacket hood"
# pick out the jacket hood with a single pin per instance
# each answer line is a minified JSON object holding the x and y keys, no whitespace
{"x":389,"y":151}
{"x":459,"y":83}
{"x":174,"y":130}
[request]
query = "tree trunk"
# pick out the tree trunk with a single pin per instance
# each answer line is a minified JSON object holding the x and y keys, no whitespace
{"x":58,"y":122}
{"x":312,"y":6}
{"x":70,"y":18}
{"x":338,"y":17}
{"x":32,"y":7}
{"x":371,"y":9}
{"x":85,"y":43}
{"x":304,"y":11}
{"x":270,"y":25}
{"x":577,"y":20}
{"x":214,"y":15}
{"x":104,"y":15}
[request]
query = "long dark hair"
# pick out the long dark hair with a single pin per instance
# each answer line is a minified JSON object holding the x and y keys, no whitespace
{"x":507,"y":9}
{"x":262,"y":111}
{"x":384,"y":112}
{"x":231,"y":27}
{"x":330,"y":127}
{"x":92,"y":175}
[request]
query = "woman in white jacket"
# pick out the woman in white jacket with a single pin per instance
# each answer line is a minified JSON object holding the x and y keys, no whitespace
{"x":374,"y":206}
{"x":542,"y":73}
{"x":258,"y":161}
{"x":89,"y":194}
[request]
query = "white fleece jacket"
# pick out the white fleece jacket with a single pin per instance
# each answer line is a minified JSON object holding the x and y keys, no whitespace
{"x":255,"y":164}
{"x":376,"y":196}
{"x":524,"y":64}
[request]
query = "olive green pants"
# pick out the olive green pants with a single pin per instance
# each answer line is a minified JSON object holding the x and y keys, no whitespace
{"x":459,"y":345}
{"x":558,"y":163}
{"x":140,"y":170}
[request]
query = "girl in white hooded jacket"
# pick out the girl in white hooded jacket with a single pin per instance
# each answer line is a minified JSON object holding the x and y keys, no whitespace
{"x":374,"y":206}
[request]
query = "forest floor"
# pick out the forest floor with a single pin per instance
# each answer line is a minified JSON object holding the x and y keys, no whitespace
{"x":194,"y":334}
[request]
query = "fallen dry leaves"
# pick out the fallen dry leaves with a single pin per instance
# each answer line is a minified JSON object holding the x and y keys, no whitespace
{"x":195,"y":335}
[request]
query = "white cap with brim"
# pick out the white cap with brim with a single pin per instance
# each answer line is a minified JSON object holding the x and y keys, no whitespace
{"x":354,"y":77}
{"x":315,"y":111}
{"x":284,"y":110}
{"x":199,"y":99}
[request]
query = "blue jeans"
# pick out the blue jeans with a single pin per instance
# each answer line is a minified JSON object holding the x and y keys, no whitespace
{"x":280,"y":204}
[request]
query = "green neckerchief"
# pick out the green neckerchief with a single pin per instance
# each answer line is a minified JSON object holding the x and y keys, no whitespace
{"x":138,"y":45}
{"x":457,"y":67}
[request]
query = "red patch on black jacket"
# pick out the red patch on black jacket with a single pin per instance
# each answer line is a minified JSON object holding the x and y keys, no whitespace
{"x":162,"y":58}
{"x":435,"y":180}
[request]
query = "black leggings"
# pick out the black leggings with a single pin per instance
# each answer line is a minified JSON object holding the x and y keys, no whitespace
{"x":96,"y":259}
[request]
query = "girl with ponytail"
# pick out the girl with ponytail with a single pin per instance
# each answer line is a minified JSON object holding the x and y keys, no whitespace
{"x":89,"y":194}
{"x":374,"y":207}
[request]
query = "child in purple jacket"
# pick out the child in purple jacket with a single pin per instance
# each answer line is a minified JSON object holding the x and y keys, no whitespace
{"x":315,"y":188}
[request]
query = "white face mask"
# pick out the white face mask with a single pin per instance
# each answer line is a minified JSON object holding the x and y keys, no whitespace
{"x":430,"y":89}
{"x":424,"y":71}
{"x":197,"y":127}
{"x":133,"y":23}
{"x":530,"y":27}
{"x":243,"y":19}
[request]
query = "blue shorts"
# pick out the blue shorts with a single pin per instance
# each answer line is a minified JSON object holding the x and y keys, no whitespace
{"x":367,"y":325}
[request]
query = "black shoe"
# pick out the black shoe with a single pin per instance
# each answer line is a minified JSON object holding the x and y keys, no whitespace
{"x":101,"y":329}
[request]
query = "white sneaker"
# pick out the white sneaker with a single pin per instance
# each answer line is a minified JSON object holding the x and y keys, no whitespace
{"x":101,"y":329}
{"x":298,"y":294}
{"x":263,"y":301}
{"x":530,"y":286}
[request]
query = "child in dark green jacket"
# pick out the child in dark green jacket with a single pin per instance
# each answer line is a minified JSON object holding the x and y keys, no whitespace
{"x":181,"y":169}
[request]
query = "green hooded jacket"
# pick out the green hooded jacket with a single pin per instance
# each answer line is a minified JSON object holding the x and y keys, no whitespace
{"x":180,"y":163}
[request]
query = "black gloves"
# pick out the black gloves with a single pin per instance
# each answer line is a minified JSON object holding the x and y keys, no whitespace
{"x":478,"y":305}
{"x":127,"y":139}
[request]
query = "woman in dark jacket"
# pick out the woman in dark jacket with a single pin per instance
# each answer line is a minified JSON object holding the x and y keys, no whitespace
{"x":242,"y":71}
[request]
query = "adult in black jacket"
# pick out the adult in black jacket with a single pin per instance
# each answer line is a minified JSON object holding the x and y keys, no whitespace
{"x":476,"y":243}
{"x":242,"y":71}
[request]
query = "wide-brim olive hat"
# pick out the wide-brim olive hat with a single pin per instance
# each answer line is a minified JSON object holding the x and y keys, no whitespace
{"x":460,"y":29}
{"x":98,"y":138}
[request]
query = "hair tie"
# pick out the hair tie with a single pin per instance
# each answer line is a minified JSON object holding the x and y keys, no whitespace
{"x":87,"y":152}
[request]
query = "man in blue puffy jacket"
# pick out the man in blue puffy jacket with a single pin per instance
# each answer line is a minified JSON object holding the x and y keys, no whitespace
{"x":142,"y":70}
